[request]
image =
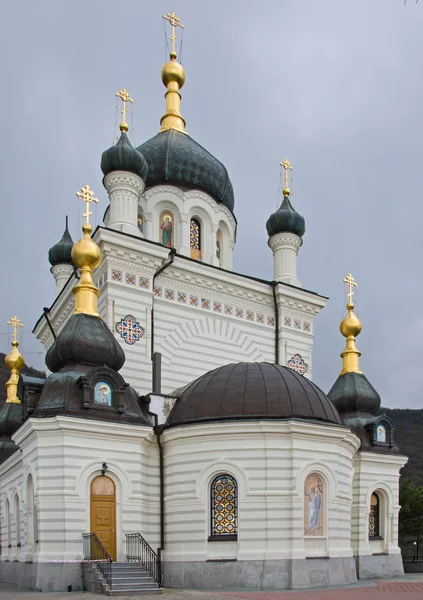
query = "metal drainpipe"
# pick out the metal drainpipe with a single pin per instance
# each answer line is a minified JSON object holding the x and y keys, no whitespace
{"x":158,"y":430}
{"x":156,"y":274}
{"x":45,"y":312}
{"x":274,"y":284}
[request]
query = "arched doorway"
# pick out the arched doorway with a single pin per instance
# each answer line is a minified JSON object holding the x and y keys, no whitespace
{"x":103,"y":512}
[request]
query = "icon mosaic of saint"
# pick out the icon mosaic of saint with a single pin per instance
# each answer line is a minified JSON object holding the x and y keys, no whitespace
{"x":313,"y":517}
{"x":103,"y":393}
{"x":140,"y":223}
{"x":166,"y":227}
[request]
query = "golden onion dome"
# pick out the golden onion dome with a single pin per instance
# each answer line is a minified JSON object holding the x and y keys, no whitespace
{"x":173,"y":71}
{"x":86,"y":253}
{"x":14,"y":360}
{"x":350,"y":325}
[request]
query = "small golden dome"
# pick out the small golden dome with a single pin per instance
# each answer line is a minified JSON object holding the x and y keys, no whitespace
{"x":286,"y":191}
{"x":14,"y":360}
{"x":173,"y":71}
{"x":350,"y":325}
{"x":86,"y":253}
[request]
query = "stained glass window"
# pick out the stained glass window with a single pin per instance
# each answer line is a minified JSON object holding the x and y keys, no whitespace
{"x":374,"y":516}
{"x":195,"y":239}
{"x":224,"y":506}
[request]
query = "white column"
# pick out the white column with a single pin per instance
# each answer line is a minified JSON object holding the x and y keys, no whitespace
{"x":61,"y":274}
{"x":184,"y":235}
{"x":124,"y":189}
{"x":285,"y":248}
{"x":148,"y":227}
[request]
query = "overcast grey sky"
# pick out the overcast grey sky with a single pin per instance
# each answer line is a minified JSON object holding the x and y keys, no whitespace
{"x":335,"y":86}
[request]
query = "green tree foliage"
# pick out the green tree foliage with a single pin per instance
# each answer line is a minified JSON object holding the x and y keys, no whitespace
{"x":409,"y":437}
{"x":411,"y":519}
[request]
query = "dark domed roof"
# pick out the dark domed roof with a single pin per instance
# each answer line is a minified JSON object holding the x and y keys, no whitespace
{"x":287,"y":219}
{"x":124,"y":157}
{"x":85,"y":339}
{"x":252,"y":391}
{"x":60,"y":253}
{"x":353,"y":393}
{"x":174,"y":157}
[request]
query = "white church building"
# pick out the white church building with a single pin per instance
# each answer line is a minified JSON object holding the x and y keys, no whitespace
{"x":178,"y":438}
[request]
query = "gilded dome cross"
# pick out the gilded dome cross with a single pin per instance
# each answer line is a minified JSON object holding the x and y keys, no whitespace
{"x":125,"y":97}
{"x":15,"y":323}
{"x":350,"y":281}
{"x":87,"y":195}
{"x":287,"y":166}
{"x":175,"y":22}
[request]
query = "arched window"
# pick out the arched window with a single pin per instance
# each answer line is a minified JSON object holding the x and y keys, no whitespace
{"x":374,"y":516}
{"x":17,"y":521}
{"x":224,"y":507}
{"x":219,"y":247}
{"x":7,"y":514}
{"x":166,"y":233}
{"x":30,"y":535}
{"x":195,"y":239}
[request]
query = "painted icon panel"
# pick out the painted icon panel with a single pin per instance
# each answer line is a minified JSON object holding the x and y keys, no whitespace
{"x":103,"y":393}
{"x":313,"y":505}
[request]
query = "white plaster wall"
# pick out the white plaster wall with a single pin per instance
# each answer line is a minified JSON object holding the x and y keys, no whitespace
{"x":64,"y":454}
{"x":270,"y":461}
{"x":376,"y":473}
{"x":238,"y":325}
{"x":12,"y":483}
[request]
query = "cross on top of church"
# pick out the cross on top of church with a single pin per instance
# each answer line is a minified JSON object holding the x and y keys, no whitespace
{"x":123,"y":94}
{"x":350,"y":281}
{"x":15,"y":323}
{"x":175,"y":22}
{"x":87,"y":195}
{"x":287,"y":166}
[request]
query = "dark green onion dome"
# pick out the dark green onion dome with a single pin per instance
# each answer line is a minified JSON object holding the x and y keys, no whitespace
{"x":353,"y":393}
{"x":175,"y":158}
{"x":252,"y":391}
{"x":286,"y":219}
{"x":124,"y":157}
{"x":60,"y":253}
{"x":10,"y":421}
{"x":86,"y":340}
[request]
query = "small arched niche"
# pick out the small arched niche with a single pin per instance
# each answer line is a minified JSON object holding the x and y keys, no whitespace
{"x":167,"y":229}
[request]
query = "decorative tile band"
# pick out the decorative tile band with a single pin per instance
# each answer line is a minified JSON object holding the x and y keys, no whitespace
{"x":208,"y":304}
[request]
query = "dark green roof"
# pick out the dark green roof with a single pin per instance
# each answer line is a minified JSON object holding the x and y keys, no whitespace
{"x":286,"y":219}
{"x":174,"y":157}
{"x":85,"y":339}
{"x":60,"y":253}
{"x":124,"y":157}
{"x":353,"y":393}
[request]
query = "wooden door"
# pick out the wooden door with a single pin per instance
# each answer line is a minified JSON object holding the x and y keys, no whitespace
{"x":103,"y":512}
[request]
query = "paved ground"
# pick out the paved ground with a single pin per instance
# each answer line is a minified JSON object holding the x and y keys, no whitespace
{"x":409,"y":587}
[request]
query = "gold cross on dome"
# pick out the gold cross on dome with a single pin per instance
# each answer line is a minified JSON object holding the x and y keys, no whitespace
{"x":87,"y":195}
{"x":287,"y":166}
{"x":175,"y":22}
{"x":15,"y":323}
{"x":349,"y":280}
{"x":125,"y":97}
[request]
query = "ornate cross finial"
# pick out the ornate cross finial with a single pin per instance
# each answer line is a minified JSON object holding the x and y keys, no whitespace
{"x":349,"y":280}
{"x":125,"y":97}
{"x":175,"y":22}
{"x":15,"y":323}
{"x":87,"y":195}
{"x":287,"y":166}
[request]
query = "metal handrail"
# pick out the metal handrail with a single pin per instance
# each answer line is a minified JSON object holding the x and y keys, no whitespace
{"x":95,"y":551}
{"x":138,"y":550}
